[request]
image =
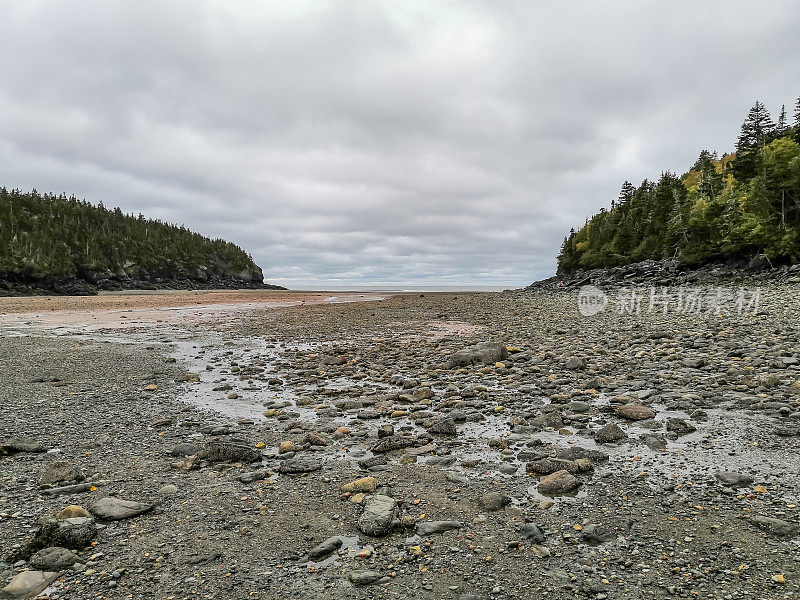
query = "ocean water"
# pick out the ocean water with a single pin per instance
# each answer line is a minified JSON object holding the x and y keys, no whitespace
{"x":407,"y":288}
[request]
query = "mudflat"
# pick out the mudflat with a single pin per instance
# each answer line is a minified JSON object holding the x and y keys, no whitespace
{"x":161,"y":299}
{"x":440,"y":445}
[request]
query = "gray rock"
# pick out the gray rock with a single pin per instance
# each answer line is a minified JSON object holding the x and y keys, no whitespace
{"x":441,"y":425}
{"x":693,"y":363}
{"x":551,"y":419}
{"x":576,"y":452}
{"x":680,"y":426}
{"x":508,"y":468}
{"x":396,"y":442}
{"x":28,"y":584}
{"x":594,"y":534}
{"x":75,"y":488}
{"x":325,"y":548}
{"x":227,"y":452}
{"x":257,"y":475}
{"x":61,"y":471}
{"x":427,"y":528}
{"x":545,"y":466}
{"x":300,"y":464}
{"x":775,"y":527}
{"x":734,"y":479}
{"x":53,"y":559}
{"x":75,"y":533}
{"x":576,"y":362}
{"x":654,"y":441}
{"x":380,"y":516}
{"x":579,"y":406}
{"x":15,"y":445}
{"x":456,"y":478}
{"x":609,"y":434}
{"x":486,"y":353}
{"x":184,"y":449}
{"x":493,"y":501}
{"x":116,"y":509}
{"x":532,"y":533}
{"x":365,"y":577}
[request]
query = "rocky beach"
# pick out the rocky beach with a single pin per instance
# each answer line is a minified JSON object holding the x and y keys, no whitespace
{"x":441,"y":445}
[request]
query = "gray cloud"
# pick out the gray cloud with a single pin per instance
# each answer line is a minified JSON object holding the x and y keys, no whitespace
{"x":348,"y":143}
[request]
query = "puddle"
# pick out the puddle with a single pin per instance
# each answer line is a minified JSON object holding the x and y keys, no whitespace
{"x":350,"y":548}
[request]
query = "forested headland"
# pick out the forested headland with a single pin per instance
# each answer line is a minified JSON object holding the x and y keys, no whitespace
{"x":60,"y":244}
{"x":740,"y":208}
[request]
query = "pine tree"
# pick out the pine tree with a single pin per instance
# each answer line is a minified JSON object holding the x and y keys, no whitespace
{"x":757,"y":127}
{"x":782,"y":126}
{"x":625,"y":193}
{"x":710,"y":181}
{"x":753,"y":136}
{"x":797,"y":114}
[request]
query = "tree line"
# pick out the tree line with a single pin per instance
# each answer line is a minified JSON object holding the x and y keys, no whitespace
{"x":43,"y":235}
{"x":725,"y":208}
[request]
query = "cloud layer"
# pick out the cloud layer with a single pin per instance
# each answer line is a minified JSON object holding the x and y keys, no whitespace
{"x":355,"y":143}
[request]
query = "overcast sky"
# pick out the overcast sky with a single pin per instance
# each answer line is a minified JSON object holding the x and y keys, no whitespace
{"x":356,"y":143}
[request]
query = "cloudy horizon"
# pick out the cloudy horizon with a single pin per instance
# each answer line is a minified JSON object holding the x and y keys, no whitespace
{"x":380,"y":143}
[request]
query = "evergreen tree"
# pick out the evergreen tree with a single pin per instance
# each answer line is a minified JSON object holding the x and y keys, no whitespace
{"x":625,"y":193}
{"x":754,"y":134}
{"x":757,"y":127}
{"x":782,"y":125}
{"x":797,"y":114}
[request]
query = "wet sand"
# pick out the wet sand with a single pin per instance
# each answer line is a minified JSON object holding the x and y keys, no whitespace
{"x":115,"y":310}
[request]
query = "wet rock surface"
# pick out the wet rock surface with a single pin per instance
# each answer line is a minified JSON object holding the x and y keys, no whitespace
{"x":381,"y":449}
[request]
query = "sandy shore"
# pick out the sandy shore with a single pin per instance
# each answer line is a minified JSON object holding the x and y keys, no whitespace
{"x":169,"y":299}
{"x":123,"y":310}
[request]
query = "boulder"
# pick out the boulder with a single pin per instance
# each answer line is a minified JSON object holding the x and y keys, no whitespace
{"x":440,"y":425}
{"x":75,"y":533}
{"x":734,"y":479}
{"x":427,"y":528}
{"x":300,"y":464}
{"x":493,"y":501}
{"x":396,"y":442}
{"x":485,"y":353}
{"x":61,"y":471}
{"x":775,"y":527}
{"x":635,"y":412}
{"x":52,"y":558}
{"x":609,"y":434}
{"x":365,"y":484}
{"x":380,"y":516}
{"x":558,"y":483}
{"x":28,"y":584}
{"x":117,"y":509}
{"x":575,"y":363}
{"x":327,"y":547}
{"x":226,"y":452}
{"x":545,"y":466}
{"x":15,"y":445}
